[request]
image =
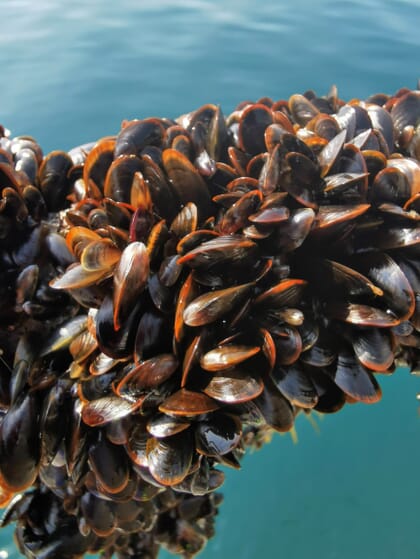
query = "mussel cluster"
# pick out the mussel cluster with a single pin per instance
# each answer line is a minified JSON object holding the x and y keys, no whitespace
{"x":171,"y":295}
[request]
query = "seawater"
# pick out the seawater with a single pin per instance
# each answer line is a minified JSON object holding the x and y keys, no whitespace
{"x":72,"y":71}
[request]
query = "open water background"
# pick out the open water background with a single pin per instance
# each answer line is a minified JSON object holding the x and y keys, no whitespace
{"x":70,"y":72}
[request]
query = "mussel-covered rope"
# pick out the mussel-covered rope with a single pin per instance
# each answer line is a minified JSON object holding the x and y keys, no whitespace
{"x":172,"y":294}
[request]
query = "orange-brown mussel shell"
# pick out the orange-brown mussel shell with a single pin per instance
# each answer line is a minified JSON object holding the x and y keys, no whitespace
{"x":19,"y":444}
{"x":170,"y":459}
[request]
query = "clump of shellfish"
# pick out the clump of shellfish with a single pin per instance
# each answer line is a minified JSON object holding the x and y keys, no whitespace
{"x":170,"y":294}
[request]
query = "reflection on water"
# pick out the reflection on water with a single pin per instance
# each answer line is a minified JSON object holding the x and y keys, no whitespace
{"x":72,"y":71}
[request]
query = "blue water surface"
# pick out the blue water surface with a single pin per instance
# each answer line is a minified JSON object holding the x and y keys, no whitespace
{"x":72,"y":71}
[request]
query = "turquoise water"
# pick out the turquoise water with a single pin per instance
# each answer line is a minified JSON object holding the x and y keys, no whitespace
{"x":71,"y":72}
